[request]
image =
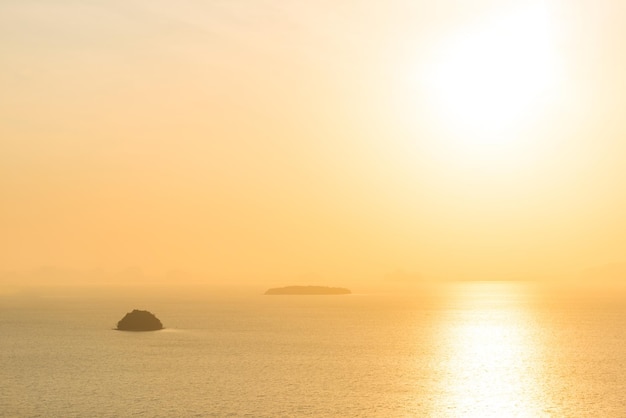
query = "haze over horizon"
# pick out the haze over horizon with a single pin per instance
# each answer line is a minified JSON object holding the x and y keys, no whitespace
{"x":266,"y":141}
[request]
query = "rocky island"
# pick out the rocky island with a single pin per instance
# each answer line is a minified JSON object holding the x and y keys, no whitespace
{"x":308,"y":290}
{"x":139,"y":321}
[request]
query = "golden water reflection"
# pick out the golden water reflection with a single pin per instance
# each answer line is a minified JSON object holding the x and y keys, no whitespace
{"x":492,"y":359}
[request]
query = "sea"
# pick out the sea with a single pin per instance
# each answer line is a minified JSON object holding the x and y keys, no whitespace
{"x":472,"y":349}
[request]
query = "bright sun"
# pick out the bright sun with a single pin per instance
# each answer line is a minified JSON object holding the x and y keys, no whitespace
{"x":491,"y":77}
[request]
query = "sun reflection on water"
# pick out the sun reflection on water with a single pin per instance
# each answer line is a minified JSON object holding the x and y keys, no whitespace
{"x":492,"y":362}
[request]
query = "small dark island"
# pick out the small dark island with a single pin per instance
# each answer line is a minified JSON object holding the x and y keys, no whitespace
{"x":308,"y":290}
{"x":139,"y":321}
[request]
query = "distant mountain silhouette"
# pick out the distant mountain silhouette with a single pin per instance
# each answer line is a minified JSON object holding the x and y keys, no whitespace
{"x":403,"y":276}
{"x":612,"y":272}
{"x":139,"y":321}
{"x":308,"y":290}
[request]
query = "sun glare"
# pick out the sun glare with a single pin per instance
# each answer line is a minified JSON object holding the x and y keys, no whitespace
{"x":490,"y":347}
{"x":491,"y":77}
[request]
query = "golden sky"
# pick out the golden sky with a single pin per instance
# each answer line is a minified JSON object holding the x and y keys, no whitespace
{"x":267,"y":140}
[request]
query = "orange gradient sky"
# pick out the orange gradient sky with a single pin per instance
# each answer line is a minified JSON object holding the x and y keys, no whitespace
{"x":269,"y":140}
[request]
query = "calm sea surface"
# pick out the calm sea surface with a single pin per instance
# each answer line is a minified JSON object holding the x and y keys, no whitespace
{"x":478,"y":349}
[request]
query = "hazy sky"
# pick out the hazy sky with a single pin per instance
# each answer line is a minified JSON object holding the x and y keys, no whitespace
{"x":263,"y":140}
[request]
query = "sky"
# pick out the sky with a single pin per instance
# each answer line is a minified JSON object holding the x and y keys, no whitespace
{"x":271,"y":141}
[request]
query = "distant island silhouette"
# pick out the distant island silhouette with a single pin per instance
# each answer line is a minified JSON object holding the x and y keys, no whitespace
{"x":139,"y":321}
{"x":308,"y":290}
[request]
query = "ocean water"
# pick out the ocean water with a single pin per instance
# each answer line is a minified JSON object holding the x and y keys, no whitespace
{"x":473,"y":349}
